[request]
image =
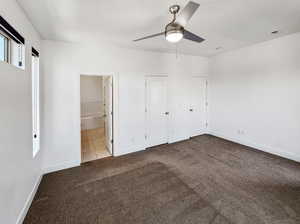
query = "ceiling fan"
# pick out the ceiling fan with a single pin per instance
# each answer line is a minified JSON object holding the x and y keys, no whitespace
{"x":175,"y":31}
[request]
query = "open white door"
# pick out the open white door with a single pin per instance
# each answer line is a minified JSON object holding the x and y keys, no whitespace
{"x":197,"y":105}
{"x":108,"y":101}
{"x":156,"y":111}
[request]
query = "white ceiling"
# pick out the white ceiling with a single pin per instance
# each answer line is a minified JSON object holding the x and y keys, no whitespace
{"x":230,"y":24}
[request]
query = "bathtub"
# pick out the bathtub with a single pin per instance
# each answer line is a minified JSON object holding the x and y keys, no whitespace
{"x":92,"y":121}
{"x":92,"y":115}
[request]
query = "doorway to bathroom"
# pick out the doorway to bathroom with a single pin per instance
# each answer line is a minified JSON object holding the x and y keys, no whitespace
{"x":96,"y":116}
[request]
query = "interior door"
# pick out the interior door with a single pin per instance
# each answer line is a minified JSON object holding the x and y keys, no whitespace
{"x":108,"y":102}
{"x":178,"y":102}
{"x":197,"y":105}
{"x":156,"y":111}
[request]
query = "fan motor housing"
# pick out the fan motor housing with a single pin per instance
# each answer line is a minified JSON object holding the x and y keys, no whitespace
{"x":173,"y":27}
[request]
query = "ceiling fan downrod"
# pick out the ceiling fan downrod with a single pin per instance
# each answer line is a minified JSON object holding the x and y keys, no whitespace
{"x":173,"y":31}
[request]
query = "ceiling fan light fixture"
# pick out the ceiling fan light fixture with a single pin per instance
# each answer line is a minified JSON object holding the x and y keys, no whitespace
{"x":174,"y":36}
{"x":175,"y":31}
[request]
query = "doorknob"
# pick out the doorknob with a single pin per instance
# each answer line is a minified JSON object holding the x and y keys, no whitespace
{"x":167,"y":113}
{"x":191,"y":110}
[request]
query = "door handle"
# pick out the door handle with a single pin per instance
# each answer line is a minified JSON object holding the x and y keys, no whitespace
{"x":166,"y":113}
{"x":191,"y":110}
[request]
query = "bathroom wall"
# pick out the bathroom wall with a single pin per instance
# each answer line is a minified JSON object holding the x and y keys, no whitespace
{"x":91,"y":102}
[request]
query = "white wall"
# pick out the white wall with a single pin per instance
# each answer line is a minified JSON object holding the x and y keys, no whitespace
{"x":91,"y":88}
{"x":256,"y":90}
{"x":91,"y":102}
{"x":19,"y":172}
{"x":65,"y":62}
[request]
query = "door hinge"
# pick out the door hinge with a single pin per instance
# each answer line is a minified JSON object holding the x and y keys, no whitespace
{"x":111,"y":113}
{"x":145,"y":136}
{"x":112,"y":141}
{"x":146,"y":110}
{"x":206,"y":104}
{"x":206,"y":124}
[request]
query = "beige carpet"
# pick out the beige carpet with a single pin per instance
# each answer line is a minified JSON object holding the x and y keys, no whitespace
{"x":149,"y":194}
{"x":202,"y":180}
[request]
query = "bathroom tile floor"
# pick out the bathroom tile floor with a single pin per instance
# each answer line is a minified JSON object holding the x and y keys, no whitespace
{"x":93,"y":145}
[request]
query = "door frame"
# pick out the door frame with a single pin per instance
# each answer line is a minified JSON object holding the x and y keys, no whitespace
{"x":108,"y":113}
{"x":114,"y":109}
{"x":147,"y":77}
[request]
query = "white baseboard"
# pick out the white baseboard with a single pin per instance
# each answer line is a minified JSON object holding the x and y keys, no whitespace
{"x":174,"y":140}
{"x":264,"y":148}
{"x":184,"y":138}
{"x":29,"y":200}
{"x":62,"y":166}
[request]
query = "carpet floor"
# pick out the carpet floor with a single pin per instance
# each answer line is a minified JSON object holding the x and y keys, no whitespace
{"x":202,"y":180}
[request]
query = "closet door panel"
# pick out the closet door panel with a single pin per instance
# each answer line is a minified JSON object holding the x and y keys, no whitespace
{"x":197,"y":106}
{"x":157,"y":112}
{"x":178,"y":103}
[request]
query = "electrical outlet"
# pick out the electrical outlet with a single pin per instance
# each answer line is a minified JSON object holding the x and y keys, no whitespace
{"x":132,"y":140}
{"x":241,"y":132}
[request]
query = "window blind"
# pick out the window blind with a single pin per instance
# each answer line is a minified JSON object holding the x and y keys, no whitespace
{"x":10,"y":31}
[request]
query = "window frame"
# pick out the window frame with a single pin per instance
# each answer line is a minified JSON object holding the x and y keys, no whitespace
{"x":7,"y":54}
{"x":14,"y":48}
{"x":35,"y":88}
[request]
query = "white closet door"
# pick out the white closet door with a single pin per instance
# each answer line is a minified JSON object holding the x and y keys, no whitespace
{"x":197,"y":106}
{"x":156,"y":111}
{"x":178,"y":101}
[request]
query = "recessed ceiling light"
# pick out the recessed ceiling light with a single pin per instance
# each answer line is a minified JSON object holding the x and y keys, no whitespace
{"x":218,"y":48}
{"x":275,"y":32}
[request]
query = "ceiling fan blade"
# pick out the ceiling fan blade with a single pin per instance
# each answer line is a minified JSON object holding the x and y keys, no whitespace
{"x":193,"y":37}
{"x":151,"y":36}
{"x":186,"y":13}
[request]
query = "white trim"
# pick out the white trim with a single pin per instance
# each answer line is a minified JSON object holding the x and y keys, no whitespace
{"x":178,"y":139}
{"x":264,"y":148}
{"x":29,"y":200}
{"x":35,"y":98}
{"x":65,"y":165}
{"x":157,"y":75}
{"x":116,"y":113}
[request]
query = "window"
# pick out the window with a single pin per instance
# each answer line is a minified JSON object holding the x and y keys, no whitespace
{"x":35,"y":102}
{"x":3,"y":48}
{"x":17,"y":54}
{"x":12,"y":45}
